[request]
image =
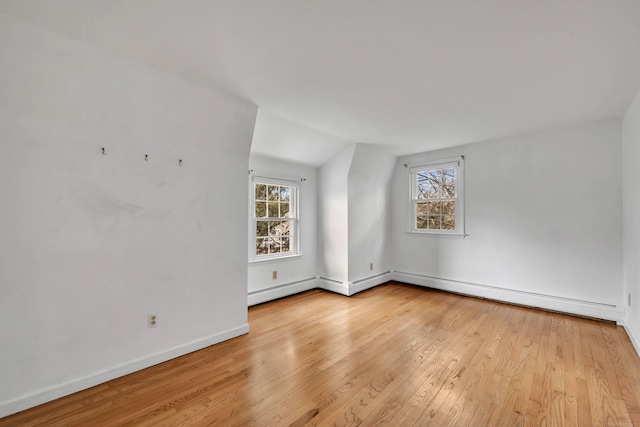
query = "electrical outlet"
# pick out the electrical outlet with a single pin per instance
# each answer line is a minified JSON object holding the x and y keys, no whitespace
{"x":274,"y":274}
{"x":152,"y":321}
{"x":370,"y":266}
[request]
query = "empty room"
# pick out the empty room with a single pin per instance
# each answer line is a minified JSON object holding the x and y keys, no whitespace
{"x":319,"y":212}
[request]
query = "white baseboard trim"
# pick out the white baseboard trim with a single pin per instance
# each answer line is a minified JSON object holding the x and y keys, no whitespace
{"x":333,"y":285}
{"x":531,"y":299}
{"x":369,"y":282}
{"x":264,"y":295}
{"x":634,"y":339}
{"x":9,"y":407}
{"x":351,"y":288}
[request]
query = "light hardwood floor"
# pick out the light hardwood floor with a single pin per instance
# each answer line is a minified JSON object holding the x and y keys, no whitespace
{"x":395,"y":355}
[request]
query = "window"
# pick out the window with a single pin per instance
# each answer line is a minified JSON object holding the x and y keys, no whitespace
{"x":437,"y":206}
{"x":274,"y":222}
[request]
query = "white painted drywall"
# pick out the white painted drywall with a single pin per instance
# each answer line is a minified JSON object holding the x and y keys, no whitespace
{"x":369,"y":211}
{"x":92,"y":243}
{"x":299,"y":268}
{"x":333,"y":219}
{"x":293,"y":141}
{"x":543,"y":214}
{"x":631,"y":217}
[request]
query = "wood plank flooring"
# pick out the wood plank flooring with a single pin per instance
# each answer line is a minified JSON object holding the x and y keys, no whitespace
{"x":395,"y":355}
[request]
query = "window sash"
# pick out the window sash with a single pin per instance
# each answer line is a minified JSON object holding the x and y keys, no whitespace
{"x":293,"y":219}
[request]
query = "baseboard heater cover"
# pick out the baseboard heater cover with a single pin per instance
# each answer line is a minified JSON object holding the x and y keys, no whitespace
{"x":548,"y":302}
{"x":351,"y":288}
{"x":281,"y":291}
{"x":333,"y":285}
{"x":369,"y":282}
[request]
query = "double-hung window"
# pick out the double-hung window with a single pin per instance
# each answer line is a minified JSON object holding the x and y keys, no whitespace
{"x":274,"y":223}
{"x":437,"y":204}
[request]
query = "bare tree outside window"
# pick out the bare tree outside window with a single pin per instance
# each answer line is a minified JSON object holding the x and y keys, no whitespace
{"x":435,"y":205}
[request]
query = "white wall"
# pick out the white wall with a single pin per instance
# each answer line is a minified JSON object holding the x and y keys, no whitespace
{"x":369,"y":212}
{"x":354,"y":219}
{"x":543,"y":214}
{"x":631,"y":217}
{"x":291,"y":271}
{"x":333,"y":216}
{"x":92,"y":243}
{"x":293,"y":141}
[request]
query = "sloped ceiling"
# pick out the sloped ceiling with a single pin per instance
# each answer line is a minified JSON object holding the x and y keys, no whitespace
{"x":409,"y":75}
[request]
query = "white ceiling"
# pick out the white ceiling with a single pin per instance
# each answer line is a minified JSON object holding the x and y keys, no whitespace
{"x":411,"y":75}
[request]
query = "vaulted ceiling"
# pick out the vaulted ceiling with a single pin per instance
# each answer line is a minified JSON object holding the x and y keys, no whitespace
{"x":409,"y":75}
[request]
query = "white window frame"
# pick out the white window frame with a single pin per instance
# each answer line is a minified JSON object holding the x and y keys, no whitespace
{"x":294,"y":208}
{"x":456,"y":163}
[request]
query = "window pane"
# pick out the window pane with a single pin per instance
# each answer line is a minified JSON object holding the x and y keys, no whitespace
{"x":262,"y":228}
{"x":274,"y":245}
{"x":428,"y":184}
{"x":286,"y":244}
{"x":285,"y":194}
{"x":275,"y":228}
{"x":448,"y":208}
{"x":284,"y":210}
{"x":274,"y":193}
{"x":448,"y":222}
{"x":433,"y":222}
{"x":261,"y":209}
{"x":273,"y":210}
{"x":438,"y":179}
{"x":285,"y":228}
{"x":421,"y":208}
{"x":448,"y":182}
{"x":261,"y":246}
{"x":431,"y":182}
{"x":421,"y":222}
{"x":261,"y":192}
{"x":434,"y":208}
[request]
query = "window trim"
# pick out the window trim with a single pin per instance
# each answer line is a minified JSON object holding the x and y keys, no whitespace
{"x":412,"y":169}
{"x":292,"y":182}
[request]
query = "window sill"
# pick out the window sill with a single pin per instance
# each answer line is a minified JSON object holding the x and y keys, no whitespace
{"x":275,"y":258}
{"x":432,"y":234}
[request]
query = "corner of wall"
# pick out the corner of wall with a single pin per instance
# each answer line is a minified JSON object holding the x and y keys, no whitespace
{"x":630,"y":221}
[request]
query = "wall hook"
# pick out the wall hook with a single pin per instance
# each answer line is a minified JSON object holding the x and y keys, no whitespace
{"x":146,"y":157}
{"x":179,"y":162}
{"x":103,"y":151}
